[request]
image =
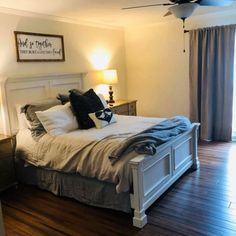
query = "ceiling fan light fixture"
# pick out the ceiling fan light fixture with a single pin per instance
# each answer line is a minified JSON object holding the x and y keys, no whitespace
{"x":184,"y":10}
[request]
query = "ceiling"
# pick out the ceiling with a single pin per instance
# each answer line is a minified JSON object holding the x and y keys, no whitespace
{"x":101,"y":12}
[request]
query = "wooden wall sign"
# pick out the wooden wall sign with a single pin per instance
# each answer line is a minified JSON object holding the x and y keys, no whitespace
{"x":39,"y":47}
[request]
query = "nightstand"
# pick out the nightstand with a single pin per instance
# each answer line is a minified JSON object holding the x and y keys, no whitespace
{"x":7,"y":168}
{"x":124,"y":107}
{"x":2,"y":233}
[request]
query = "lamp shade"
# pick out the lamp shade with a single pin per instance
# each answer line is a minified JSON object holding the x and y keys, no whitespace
{"x":184,"y":10}
{"x":110,"y":77}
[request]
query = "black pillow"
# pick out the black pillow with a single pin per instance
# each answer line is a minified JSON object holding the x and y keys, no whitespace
{"x":64,"y":98}
{"x":84,"y":104}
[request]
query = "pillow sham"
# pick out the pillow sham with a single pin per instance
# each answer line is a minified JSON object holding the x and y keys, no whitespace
{"x":84,"y":104}
{"x":102,"y":118}
{"x":23,"y":123}
{"x":58,"y":119}
{"x":37,"y":130}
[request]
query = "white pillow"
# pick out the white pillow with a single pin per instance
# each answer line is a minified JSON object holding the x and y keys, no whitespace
{"x":102,"y":118}
{"x":58,"y":119}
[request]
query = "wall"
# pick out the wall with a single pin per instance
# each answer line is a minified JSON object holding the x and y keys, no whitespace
{"x":157,"y":68}
{"x":81,"y":42}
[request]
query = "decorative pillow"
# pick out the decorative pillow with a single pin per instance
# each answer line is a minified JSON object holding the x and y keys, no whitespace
{"x":37,"y":130}
{"x":102,"y":118}
{"x":58,"y":119}
{"x":84,"y":104}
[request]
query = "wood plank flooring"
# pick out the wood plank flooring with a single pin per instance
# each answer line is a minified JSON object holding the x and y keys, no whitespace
{"x":200,"y":203}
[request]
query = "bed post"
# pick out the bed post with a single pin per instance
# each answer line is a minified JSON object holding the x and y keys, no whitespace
{"x":196,"y":163}
{"x":140,"y":218}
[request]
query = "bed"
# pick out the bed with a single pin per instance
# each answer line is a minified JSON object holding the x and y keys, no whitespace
{"x":150,"y":176}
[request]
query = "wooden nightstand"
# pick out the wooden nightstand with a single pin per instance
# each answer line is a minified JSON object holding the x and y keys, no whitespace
{"x":7,"y":169}
{"x":2,"y":233}
{"x":124,"y":107}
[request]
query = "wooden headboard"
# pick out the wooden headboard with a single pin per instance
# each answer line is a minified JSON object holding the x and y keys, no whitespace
{"x":22,"y":90}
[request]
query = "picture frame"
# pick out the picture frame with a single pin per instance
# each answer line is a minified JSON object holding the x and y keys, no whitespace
{"x":38,"y":47}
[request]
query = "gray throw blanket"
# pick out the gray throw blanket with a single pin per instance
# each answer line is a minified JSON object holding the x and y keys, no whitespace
{"x":147,"y":141}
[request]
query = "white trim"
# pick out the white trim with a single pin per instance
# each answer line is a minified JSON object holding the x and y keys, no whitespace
{"x":12,"y":11}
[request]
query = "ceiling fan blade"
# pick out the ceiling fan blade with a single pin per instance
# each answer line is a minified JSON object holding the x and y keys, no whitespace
{"x":150,"y":5}
{"x":168,"y":14}
{"x":215,"y":2}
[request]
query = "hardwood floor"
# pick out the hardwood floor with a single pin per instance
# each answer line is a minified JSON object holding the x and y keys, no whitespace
{"x":200,"y":203}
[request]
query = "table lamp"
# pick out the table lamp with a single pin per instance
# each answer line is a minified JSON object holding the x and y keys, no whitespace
{"x":110,"y":77}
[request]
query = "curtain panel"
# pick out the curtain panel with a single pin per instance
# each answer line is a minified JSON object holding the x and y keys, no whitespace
{"x":211,"y":80}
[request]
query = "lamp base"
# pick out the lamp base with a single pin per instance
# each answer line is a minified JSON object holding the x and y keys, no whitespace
{"x":111,"y":100}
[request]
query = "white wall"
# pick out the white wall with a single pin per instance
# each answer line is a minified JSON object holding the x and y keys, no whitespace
{"x":157,"y":68}
{"x":81,"y":42}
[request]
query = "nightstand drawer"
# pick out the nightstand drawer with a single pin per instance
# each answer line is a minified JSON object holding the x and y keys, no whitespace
{"x":132,"y":106}
{"x":6,"y":164}
{"x":132,"y":109}
{"x":121,"y":109}
{"x":7,"y":173}
{"x":5,"y":150}
{"x":7,"y":168}
{"x":132,"y":113}
{"x":124,"y":107}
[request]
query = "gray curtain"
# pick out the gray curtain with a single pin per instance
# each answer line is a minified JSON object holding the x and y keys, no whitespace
{"x":211,"y":80}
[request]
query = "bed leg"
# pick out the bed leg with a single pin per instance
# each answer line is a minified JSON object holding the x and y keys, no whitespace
{"x":196,"y":162}
{"x":139,"y":219}
{"x":196,"y":165}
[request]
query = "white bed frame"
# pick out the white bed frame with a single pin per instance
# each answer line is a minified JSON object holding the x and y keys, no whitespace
{"x":152,"y":175}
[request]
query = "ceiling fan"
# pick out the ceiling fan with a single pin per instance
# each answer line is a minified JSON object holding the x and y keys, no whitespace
{"x":184,"y":8}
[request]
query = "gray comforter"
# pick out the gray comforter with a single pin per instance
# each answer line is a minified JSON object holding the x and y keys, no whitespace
{"x":147,"y":141}
{"x":86,"y":151}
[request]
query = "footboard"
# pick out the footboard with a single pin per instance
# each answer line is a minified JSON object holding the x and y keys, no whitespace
{"x":153,"y":175}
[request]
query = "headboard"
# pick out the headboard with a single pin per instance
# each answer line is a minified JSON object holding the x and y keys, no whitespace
{"x":22,"y":90}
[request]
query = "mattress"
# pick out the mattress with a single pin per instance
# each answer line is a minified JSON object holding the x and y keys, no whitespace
{"x":85,"y":152}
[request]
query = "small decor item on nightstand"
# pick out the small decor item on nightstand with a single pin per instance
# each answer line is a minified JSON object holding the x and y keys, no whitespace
{"x":110,"y":77}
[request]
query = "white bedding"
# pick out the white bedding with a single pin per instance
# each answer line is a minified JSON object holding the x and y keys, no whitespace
{"x":86,"y":151}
